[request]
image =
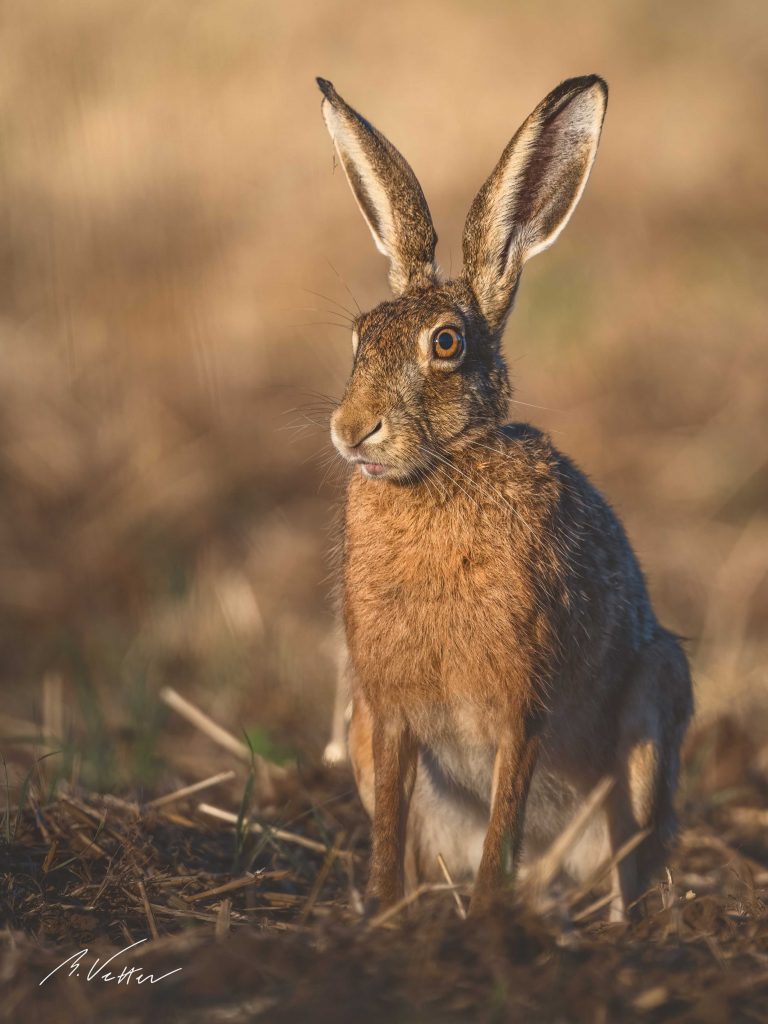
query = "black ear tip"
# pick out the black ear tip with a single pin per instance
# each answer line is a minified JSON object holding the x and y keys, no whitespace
{"x":601,"y":84}
{"x":325,"y":87}
{"x":589,"y":82}
{"x":572,"y":88}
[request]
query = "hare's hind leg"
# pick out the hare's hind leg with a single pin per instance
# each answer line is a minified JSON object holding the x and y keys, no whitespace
{"x":657,"y":706}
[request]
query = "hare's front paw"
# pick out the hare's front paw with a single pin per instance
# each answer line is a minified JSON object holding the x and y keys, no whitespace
{"x":381,"y":894}
{"x":482,"y":899}
{"x":334,"y":753}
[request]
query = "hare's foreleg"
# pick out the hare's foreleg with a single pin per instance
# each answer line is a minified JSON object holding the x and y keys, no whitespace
{"x":360,"y":746}
{"x":512,"y":772}
{"x":394,"y":759}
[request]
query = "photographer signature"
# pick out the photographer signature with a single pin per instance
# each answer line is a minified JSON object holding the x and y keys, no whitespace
{"x":98,"y":970}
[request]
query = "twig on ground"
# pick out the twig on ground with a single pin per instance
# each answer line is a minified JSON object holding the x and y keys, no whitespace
{"x":266,"y":770}
{"x":447,"y":876}
{"x":278,"y":833}
{"x":608,"y":865}
{"x":195,"y":787}
{"x":148,"y":911}
{"x":221,"y":928}
{"x":322,"y":875}
{"x":543,"y":870}
{"x":412,"y":897}
{"x":236,"y":883}
{"x":593,"y":908}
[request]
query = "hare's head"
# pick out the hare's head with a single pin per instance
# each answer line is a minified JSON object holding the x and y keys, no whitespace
{"x":428,"y":371}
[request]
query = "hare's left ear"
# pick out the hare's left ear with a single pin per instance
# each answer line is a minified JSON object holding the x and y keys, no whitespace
{"x":531,"y":194}
{"x":387,"y":192}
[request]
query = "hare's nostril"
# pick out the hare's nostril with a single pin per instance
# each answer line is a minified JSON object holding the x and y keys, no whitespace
{"x":371,"y":433}
{"x":362,"y":434}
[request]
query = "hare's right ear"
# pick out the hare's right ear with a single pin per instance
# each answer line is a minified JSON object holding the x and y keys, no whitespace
{"x":387,"y":192}
{"x":531,"y":194}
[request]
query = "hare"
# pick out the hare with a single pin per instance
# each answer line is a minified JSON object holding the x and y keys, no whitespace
{"x":502,"y":652}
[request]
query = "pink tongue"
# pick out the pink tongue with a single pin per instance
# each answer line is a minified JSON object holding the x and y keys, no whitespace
{"x":374,"y":468}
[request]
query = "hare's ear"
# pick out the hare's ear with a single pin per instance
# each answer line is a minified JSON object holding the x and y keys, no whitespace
{"x":387,"y":192}
{"x":531,"y":194}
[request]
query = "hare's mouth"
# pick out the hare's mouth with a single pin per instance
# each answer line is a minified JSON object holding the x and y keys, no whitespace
{"x":373,"y":470}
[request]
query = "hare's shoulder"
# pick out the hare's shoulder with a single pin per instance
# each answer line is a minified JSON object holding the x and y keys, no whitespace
{"x":579,"y":519}
{"x":582,"y":525}
{"x":528,"y":446}
{"x":535,"y":472}
{"x":552,"y":475}
{"x":524,"y":433}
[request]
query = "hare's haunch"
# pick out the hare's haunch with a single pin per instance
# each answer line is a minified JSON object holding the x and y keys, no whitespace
{"x":502,"y":654}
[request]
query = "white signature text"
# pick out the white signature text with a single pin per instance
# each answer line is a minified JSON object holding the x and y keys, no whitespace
{"x":98,"y":970}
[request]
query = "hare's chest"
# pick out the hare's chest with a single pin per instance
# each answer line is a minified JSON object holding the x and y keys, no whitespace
{"x":431,"y":621}
{"x":423,"y":582}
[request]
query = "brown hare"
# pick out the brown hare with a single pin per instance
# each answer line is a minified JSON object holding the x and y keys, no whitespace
{"x":502,"y":653}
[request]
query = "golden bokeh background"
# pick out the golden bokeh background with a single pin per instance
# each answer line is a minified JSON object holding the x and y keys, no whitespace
{"x":175,"y":246}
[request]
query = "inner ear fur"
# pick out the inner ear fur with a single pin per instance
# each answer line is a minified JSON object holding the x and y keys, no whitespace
{"x":532,"y":191}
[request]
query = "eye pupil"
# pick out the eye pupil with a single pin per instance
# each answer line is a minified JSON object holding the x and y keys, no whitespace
{"x":447,"y":343}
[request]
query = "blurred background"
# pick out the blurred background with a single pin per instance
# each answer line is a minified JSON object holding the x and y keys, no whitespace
{"x":176,"y":251}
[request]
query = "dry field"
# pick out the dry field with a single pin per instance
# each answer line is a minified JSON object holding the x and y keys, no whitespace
{"x":242,"y":900}
{"x":176,"y":253}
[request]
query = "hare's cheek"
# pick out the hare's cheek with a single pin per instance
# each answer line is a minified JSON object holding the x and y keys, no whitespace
{"x":404,"y":448}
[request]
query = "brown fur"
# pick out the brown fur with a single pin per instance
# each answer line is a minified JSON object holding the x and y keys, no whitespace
{"x":503,"y":653}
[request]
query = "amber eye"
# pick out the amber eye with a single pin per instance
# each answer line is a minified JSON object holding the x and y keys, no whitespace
{"x":447,"y":343}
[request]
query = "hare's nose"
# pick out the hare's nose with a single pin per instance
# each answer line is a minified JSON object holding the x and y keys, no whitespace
{"x":352,"y":434}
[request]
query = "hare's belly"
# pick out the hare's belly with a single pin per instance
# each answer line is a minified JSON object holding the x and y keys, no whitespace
{"x":452,"y":821}
{"x":458,"y":753}
{"x":451,"y":808}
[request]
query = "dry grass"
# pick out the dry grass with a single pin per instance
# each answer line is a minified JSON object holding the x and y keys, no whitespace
{"x":260,"y":918}
{"x":169,"y":215}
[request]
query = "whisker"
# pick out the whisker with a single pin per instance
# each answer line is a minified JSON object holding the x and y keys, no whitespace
{"x":530,"y":405}
{"x":318,"y":408}
{"x":317,"y":309}
{"x":322,"y":323}
{"x":334,"y":462}
{"x":319,"y":395}
{"x":327,"y":298}
{"x":349,"y":290}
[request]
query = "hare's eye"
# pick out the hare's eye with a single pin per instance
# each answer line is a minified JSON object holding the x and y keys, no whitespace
{"x":447,"y":343}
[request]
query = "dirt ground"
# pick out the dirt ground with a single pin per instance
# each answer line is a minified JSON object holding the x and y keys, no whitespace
{"x":266,"y":924}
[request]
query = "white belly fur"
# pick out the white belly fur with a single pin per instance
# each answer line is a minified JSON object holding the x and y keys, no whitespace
{"x":450,"y":809}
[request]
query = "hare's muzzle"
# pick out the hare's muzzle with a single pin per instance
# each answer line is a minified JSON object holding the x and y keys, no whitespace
{"x":357,"y":439}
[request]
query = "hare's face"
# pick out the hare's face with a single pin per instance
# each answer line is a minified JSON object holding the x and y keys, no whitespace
{"x":428,"y":370}
{"x":426,"y":375}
